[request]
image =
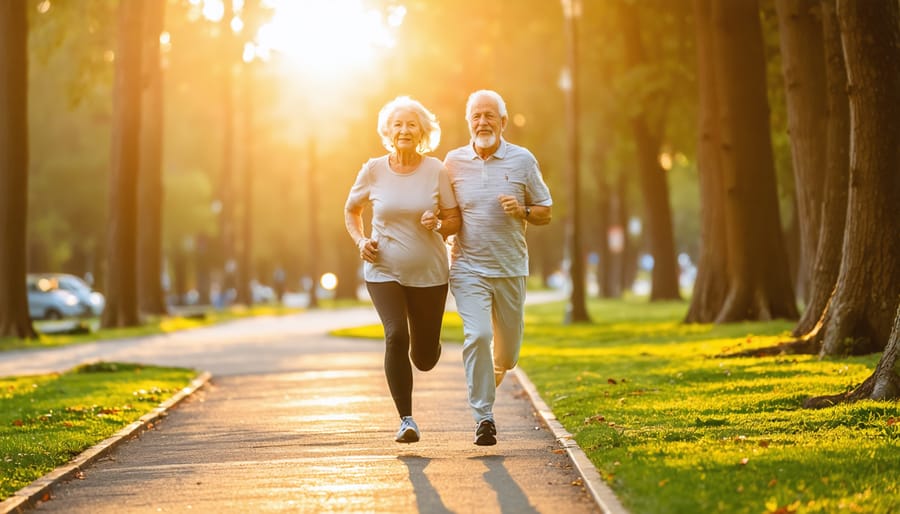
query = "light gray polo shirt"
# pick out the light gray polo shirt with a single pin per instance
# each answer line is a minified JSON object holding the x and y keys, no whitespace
{"x":490,"y":242}
{"x":408,"y":253}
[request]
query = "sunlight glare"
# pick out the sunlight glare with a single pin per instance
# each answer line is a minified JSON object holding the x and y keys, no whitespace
{"x":328,"y":37}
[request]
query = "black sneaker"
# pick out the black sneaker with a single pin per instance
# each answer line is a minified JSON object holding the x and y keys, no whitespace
{"x":486,"y":433}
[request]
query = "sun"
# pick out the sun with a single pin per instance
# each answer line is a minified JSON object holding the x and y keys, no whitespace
{"x":328,"y":38}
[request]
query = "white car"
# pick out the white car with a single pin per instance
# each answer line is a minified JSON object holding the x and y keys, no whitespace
{"x":88,"y":300}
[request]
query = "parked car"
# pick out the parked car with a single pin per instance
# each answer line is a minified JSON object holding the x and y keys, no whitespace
{"x":90,"y":301}
{"x":46,"y":302}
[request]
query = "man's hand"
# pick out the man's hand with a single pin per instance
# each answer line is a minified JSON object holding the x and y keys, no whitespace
{"x":510,"y":206}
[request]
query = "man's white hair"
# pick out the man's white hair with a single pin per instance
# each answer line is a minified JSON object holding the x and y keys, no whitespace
{"x":501,"y":105}
{"x":431,"y":130}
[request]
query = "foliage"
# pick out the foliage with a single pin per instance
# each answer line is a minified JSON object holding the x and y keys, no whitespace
{"x":674,"y":426}
{"x":46,"y":420}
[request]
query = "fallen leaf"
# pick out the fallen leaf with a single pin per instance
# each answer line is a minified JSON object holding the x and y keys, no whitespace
{"x":892,"y":421}
{"x":611,"y":381}
{"x":773,"y":482}
{"x":764,"y":443}
{"x":663,"y":482}
{"x":744,"y":461}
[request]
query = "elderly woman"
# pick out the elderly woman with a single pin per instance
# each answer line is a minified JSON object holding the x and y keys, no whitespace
{"x":406,"y":268}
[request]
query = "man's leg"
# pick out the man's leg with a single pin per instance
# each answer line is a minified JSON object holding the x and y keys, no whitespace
{"x":508,"y":319}
{"x":473,"y":302}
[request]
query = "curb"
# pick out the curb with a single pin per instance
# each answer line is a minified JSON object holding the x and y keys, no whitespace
{"x":602,"y":494}
{"x":34,"y":493}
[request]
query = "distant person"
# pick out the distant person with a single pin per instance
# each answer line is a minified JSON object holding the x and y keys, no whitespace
{"x":500,"y":190}
{"x":405,"y":268}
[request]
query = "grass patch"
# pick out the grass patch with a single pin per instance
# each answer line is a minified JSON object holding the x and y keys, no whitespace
{"x":675,"y":428}
{"x":47,"y":420}
{"x":152,"y":325}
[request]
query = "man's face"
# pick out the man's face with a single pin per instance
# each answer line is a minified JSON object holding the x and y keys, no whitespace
{"x":485,"y":123}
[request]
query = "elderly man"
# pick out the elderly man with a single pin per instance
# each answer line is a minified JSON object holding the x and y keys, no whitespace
{"x":500,"y":190}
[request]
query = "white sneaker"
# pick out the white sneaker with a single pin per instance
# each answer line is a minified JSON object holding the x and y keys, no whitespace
{"x":409,"y":431}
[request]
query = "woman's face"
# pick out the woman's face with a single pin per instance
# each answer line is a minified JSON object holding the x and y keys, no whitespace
{"x":406,"y":132}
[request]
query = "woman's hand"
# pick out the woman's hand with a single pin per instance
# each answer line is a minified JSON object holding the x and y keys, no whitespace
{"x":430,"y":220}
{"x":368,"y":249}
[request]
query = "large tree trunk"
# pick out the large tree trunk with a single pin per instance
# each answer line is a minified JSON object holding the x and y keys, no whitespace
{"x":576,"y":309}
{"x":837,"y":170}
{"x":14,"y":318}
{"x":759,"y":286}
{"x":882,"y":384}
{"x":654,"y":185}
{"x":710,"y":286}
{"x":150,"y":200}
{"x":803,"y":67}
{"x":122,"y":307}
{"x":859,"y":316}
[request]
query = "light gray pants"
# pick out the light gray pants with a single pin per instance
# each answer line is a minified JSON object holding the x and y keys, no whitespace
{"x":492,"y":312}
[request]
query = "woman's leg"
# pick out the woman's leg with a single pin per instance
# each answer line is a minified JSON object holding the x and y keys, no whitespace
{"x":426,"y":314}
{"x":390,"y":303}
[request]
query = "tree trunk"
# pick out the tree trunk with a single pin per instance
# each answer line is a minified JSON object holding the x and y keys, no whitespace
{"x":121,"y":306}
{"x":654,"y":185}
{"x":858,"y":319}
{"x":150,"y":200}
{"x":803,"y":67}
{"x":710,"y":286}
{"x":245,"y":267}
{"x":225,"y":244}
{"x":576,"y":309}
{"x":882,"y":384}
{"x":759,"y":286}
{"x":14,"y":318}
{"x":312,"y":211}
{"x":837,"y":169}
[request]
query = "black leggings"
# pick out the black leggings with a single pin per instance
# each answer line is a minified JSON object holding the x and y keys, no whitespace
{"x":412,"y":318}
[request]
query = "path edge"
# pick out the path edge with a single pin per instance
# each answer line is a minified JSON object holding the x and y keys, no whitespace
{"x":28,"y":497}
{"x":601,"y":493}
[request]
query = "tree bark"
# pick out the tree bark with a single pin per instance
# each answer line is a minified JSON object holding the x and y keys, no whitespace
{"x":882,"y":384}
{"x":576,"y":309}
{"x":759,"y":286}
{"x":858,"y":319}
{"x":803,"y":67}
{"x":121,"y":301}
{"x":150,"y":200}
{"x":654,"y":185}
{"x":710,"y":286}
{"x":837,"y":170}
{"x":14,"y":317}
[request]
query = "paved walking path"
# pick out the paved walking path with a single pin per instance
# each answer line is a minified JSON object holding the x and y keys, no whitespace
{"x":296,"y":421}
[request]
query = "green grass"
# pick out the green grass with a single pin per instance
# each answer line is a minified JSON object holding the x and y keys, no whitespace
{"x":46,"y":420}
{"x":674,"y":427}
{"x":152,"y":325}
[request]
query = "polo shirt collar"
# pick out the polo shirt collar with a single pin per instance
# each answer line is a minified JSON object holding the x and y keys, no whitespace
{"x":500,"y":153}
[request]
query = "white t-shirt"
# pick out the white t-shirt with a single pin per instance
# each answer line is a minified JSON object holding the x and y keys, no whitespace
{"x":490,"y":242}
{"x":408,"y":253}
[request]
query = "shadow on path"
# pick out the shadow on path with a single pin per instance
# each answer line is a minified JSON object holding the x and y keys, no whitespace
{"x":427,"y":497}
{"x":510,"y":496}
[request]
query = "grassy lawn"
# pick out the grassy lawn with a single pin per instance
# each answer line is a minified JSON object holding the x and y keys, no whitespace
{"x":46,"y":420}
{"x":673,"y":427}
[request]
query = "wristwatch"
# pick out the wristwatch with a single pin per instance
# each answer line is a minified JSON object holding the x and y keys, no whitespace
{"x":527,"y":212}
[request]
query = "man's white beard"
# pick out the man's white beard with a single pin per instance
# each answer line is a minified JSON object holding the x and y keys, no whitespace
{"x":482,"y":141}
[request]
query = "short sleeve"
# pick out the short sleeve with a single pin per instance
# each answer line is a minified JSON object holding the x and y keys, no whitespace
{"x":537,"y":192}
{"x":446,"y":196}
{"x":359,"y":192}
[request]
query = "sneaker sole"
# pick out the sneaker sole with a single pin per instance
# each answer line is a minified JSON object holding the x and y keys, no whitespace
{"x":408,"y":436}
{"x":486,"y":440}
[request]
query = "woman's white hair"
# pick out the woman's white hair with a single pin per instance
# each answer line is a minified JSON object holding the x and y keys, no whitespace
{"x":501,"y":105}
{"x":431,"y":131}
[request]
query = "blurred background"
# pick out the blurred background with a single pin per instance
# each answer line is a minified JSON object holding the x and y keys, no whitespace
{"x":267,"y":110}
